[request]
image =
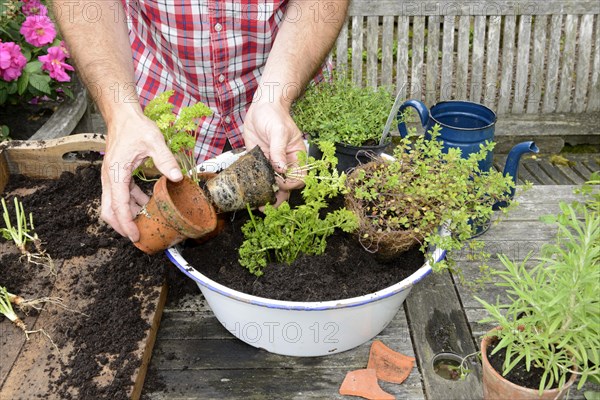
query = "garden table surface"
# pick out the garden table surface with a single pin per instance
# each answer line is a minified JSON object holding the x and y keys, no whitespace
{"x":196,"y":358}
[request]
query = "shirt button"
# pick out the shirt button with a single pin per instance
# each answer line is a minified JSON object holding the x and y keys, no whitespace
{"x":218,"y":27}
{"x":221,"y":78}
{"x":228,"y":119}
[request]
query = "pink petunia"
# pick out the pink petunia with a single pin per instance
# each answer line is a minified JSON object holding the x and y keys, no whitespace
{"x":34,"y":7}
{"x":12,"y":61}
{"x":54,"y":63}
{"x":38,"y":30}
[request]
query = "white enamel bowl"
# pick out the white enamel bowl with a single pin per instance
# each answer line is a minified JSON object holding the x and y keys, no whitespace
{"x":299,"y":328}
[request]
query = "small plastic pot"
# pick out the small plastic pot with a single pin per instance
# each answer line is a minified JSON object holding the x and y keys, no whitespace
{"x":249,"y":180}
{"x":496,"y":387}
{"x":176,"y":211}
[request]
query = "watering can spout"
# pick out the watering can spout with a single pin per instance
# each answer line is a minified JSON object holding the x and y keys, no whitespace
{"x":512,"y":164}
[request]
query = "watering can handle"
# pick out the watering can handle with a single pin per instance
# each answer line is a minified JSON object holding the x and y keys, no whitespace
{"x":421,"y":109}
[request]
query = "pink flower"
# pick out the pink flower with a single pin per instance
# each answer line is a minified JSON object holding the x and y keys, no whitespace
{"x":38,"y":30}
{"x":54,"y":63}
{"x":65,"y":50}
{"x":34,"y":7}
{"x":12,"y":61}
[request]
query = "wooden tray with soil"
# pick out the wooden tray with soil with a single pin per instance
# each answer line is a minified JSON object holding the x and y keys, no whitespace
{"x":98,"y":342}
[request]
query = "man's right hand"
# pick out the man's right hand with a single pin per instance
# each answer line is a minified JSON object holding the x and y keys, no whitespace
{"x":132,"y":137}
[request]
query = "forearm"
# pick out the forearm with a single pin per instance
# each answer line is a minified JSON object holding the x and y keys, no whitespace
{"x":102,"y":53}
{"x":306,"y":36}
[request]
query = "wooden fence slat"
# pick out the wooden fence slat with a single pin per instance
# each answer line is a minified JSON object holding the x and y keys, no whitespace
{"x":418,"y":47}
{"x":594,"y":95}
{"x":402,"y":57}
{"x":568,"y":64}
{"x":433,"y":65}
{"x":372,"y":46}
{"x":508,"y":59}
{"x":486,"y":7}
{"x":477,"y":58}
{"x":462,"y":59}
{"x":523,"y":45}
{"x":341,"y":50}
{"x":583,"y":62}
{"x":357,"y":50}
{"x":491,"y":63}
{"x":537,"y":64}
{"x":553,"y":58}
{"x":387,"y":56}
{"x":447,"y":58}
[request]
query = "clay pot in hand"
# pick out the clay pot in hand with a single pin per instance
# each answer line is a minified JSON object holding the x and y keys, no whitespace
{"x":176,"y":211}
{"x":249,"y":180}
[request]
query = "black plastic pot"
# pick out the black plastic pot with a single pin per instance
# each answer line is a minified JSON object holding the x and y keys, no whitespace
{"x":350,"y":156}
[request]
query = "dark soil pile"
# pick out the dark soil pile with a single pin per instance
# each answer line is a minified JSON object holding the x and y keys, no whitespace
{"x":345,"y":270}
{"x":23,"y":120}
{"x":108,"y":334}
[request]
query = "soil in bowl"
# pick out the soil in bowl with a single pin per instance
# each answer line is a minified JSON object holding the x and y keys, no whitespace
{"x":345,"y":270}
{"x":106,"y":283}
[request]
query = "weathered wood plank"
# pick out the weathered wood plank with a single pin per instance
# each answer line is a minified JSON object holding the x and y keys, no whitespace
{"x":556,"y":175}
{"x":550,"y":92}
{"x":387,"y":57}
{"x":418,"y":44}
{"x":486,"y":7}
{"x":477,"y":56}
{"x":372,"y":47}
{"x":583,"y":62}
{"x":537,"y":64}
{"x":567,"y":65}
{"x":462,"y":58}
{"x":402,"y":57}
{"x":567,"y":171}
{"x":438,"y":324}
{"x":268,"y":383}
{"x":446,"y":83}
{"x":357,"y":50}
{"x":523,"y":45}
{"x":594,"y":93}
{"x":491,"y":62}
{"x":433,"y":67}
{"x":341,"y":50}
{"x":508,"y":59}
{"x":533,"y":167}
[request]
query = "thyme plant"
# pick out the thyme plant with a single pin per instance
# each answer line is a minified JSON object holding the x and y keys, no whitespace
{"x":286,"y":232}
{"x":552,"y":317}
{"x":339,"y":111}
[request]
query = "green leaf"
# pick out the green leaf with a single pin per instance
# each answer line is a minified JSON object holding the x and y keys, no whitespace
{"x":41,"y":83}
{"x":23,"y":82}
{"x":33,"y":67}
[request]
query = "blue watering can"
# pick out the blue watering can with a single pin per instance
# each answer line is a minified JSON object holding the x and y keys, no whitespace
{"x":466,"y":125}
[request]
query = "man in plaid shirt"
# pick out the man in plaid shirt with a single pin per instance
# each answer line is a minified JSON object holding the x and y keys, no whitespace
{"x":247,"y":60}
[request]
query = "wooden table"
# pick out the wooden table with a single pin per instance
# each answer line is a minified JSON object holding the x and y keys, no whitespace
{"x":197,"y":358}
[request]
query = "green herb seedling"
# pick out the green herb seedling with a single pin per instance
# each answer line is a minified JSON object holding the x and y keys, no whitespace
{"x":24,"y":232}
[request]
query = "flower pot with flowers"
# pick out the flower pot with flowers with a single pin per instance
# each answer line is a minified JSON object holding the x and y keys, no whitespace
{"x":35,"y":75}
{"x":548,"y":330}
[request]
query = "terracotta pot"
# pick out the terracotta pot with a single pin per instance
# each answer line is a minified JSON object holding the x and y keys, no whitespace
{"x":176,"y":211}
{"x":496,"y":387}
{"x":249,"y":180}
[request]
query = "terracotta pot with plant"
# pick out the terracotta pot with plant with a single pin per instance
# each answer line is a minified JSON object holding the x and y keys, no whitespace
{"x":547,"y":332}
{"x":404,"y":200}
{"x":351,"y":117}
{"x":186,"y":209}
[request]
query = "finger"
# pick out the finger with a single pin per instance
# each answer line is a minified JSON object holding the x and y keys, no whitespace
{"x":134,"y":206}
{"x":165,"y":161}
{"x":281,"y":196}
{"x":138,"y":195}
{"x":120,"y":198}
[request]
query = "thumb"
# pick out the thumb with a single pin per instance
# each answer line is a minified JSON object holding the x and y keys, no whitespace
{"x":165,"y":162}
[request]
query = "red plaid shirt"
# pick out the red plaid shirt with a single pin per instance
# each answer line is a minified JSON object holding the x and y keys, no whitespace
{"x":206,"y":50}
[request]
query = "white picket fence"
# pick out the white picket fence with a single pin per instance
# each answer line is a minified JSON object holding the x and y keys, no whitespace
{"x":533,"y":57}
